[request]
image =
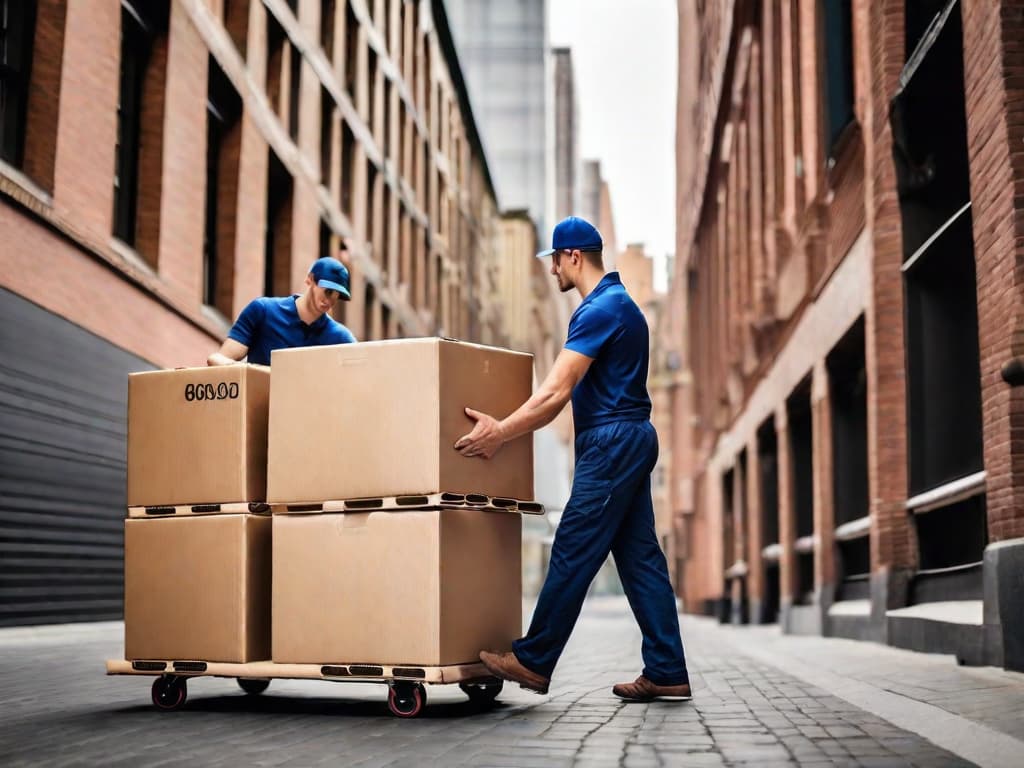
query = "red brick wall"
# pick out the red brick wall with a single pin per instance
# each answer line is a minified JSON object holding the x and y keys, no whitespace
{"x":993,"y":69}
{"x":81,"y":288}
{"x":44,"y":93}
{"x":87,"y":129}
{"x":824,"y":512}
{"x":252,"y":214}
{"x":891,"y":544}
{"x":805,"y":228}
{"x":183,"y":177}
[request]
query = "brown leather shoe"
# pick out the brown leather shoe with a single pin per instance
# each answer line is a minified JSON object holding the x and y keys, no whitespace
{"x":644,"y":690}
{"x":507,"y":667}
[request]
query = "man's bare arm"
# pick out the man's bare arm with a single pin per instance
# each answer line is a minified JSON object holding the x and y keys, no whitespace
{"x":230,"y":352}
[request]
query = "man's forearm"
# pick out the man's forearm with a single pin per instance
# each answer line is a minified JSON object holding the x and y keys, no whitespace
{"x":539,"y":410}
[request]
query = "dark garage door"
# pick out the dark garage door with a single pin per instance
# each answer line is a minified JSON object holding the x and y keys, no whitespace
{"x":62,"y":468}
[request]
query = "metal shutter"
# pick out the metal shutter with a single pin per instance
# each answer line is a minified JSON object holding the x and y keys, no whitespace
{"x":63,"y":415}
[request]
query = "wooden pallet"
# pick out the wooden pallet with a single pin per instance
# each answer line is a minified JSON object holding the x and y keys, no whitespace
{"x":411,"y":502}
{"x":171,"y":510}
{"x":355,"y":673}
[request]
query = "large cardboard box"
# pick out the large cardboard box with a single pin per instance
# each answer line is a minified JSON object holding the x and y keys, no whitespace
{"x":417,"y":588}
{"x":198,"y":435}
{"x":381,"y":418}
{"x":197,"y":588}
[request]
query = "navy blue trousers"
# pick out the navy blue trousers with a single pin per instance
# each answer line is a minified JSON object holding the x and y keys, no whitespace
{"x":609,"y":510}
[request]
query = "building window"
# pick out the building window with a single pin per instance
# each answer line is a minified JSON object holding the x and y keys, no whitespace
{"x":369,"y":302}
{"x":351,"y":49}
{"x":348,"y":143}
{"x":327,"y":12}
{"x":236,"y":21}
{"x":143,"y":37}
{"x":31,"y":55}
{"x":838,"y":81}
{"x":294,"y":89}
{"x":17,"y":31}
{"x":326,"y":135}
{"x":223,"y":147}
{"x":371,"y":198}
{"x":326,"y":236}
{"x":277,"y":245}
{"x":275,"y":59}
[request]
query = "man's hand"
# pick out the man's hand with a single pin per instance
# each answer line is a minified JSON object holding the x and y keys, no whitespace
{"x":230,"y":352}
{"x":486,"y":438}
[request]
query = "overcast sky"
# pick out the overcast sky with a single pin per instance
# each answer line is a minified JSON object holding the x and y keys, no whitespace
{"x":624,"y":59}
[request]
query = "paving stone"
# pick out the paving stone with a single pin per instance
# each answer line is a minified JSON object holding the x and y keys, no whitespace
{"x":61,"y":710}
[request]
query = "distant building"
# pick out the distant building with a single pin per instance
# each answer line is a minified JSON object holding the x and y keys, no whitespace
{"x":502,"y":47}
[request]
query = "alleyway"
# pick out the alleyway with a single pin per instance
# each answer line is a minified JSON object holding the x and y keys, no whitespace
{"x":760,"y":699}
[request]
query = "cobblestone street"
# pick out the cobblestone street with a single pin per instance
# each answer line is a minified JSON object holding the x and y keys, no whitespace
{"x":759,"y":699}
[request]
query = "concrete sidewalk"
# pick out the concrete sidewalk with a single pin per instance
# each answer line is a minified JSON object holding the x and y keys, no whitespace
{"x":760,"y":699}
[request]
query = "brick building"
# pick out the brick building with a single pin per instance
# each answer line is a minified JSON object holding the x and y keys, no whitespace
{"x":161,"y":164}
{"x":849,"y":304}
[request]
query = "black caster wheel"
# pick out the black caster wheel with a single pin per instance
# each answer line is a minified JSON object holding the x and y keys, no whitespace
{"x":482,"y":691}
{"x":253,"y":685}
{"x":406,"y":699}
{"x":169,"y":692}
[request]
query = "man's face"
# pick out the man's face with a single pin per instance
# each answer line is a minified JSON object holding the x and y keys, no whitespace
{"x":322,"y":299}
{"x":562,"y":267}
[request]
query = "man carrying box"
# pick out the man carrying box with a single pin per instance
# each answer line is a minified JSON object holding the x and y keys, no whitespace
{"x":270,"y":323}
{"x":603,"y":368}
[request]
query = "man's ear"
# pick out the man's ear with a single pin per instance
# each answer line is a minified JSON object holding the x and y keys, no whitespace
{"x":309,"y":280}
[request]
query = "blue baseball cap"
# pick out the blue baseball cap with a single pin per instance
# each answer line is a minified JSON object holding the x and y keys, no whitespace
{"x":574,"y":233}
{"x":331,"y":273}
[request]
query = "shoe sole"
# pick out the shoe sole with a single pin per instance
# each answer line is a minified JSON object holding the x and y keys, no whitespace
{"x":655,"y":698}
{"x":531,"y":690}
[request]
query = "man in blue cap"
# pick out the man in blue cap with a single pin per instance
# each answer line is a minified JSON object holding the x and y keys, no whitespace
{"x":270,"y":323}
{"x":603,"y":368}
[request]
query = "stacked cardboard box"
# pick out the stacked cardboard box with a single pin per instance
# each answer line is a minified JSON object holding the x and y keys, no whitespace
{"x":197,"y":561}
{"x":350,"y":426}
{"x":378,"y":421}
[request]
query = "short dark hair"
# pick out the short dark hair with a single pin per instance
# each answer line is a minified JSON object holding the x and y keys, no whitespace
{"x":594,"y":257}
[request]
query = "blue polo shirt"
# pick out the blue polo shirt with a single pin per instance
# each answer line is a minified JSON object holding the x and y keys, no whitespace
{"x":609,"y":327}
{"x":271,"y":323}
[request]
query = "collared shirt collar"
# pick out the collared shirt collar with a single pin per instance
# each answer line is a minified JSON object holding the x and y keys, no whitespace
{"x":293,"y":310}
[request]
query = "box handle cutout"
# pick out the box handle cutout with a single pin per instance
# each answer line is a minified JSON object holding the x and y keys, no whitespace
{"x":409,"y":672}
{"x":149,"y":666}
{"x":365,"y":670}
{"x":364,"y":504}
{"x":411,"y":501}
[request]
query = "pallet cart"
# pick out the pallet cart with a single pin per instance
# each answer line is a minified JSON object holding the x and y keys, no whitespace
{"x":407,"y":693}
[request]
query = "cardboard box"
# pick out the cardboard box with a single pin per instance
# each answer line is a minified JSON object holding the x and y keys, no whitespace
{"x":380,"y":419}
{"x":198,"y":435}
{"x":197,"y":588}
{"x":413,"y":588}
